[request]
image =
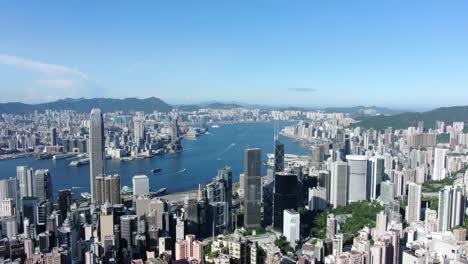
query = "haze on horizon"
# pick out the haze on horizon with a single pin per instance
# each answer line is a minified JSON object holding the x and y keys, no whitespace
{"x":399,"y":54}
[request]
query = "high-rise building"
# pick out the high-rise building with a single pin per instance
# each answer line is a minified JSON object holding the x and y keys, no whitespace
{"x":128,"y":225}
{"x":96,"y":150}
{"x":30,"y":209}
{"x":140,"y":185}
{"x":9,"y":189}
{"x":387,"y":192}
{"x":64,"y":202}
{"x":252,"y":187}
{"x":439,"y":171}
{"x":317,"y":153}
{"x":219,"y":195}
{"x":291,"y":226}
{"x":6,"y":207}
{"x":451,"y":207}
{"x":284,"y":196}
{"x":339,"y":184}
{"x":381,"y":224}
{"x":106,"y":223}
{"x":413,"y":209}
{"x":357,"y":177}
{"x":9,"y":227}
{"x":331,"y":226}
{"x":108,"y":189}
{"x":430,"y":220}
{"x":138,"y":131}
{"x":25,"y":178}
{"x":190,"y":248}
{"x":279,"y":156}
{"x":43,"y":185}
{"x":375,"y":176}
{"x":53,"y":136}
{"x":317,"y":198}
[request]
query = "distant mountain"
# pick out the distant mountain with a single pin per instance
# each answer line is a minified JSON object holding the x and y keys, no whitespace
{"x":213,"y":105}
{"x":365,"y":110}
{"x":85,"y":105}
{"x":404,"y":120}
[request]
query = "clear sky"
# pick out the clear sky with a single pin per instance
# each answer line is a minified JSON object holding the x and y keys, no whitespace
{"x":401,"y":54}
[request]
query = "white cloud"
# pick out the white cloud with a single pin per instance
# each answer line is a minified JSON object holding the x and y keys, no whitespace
{"x":42,"y":67}
{"x":51,"y":81}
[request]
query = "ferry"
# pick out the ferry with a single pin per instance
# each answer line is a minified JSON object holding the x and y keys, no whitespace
{"x":64,"y":156}
{"x":80,"y":162}
{"x":42,"y":156}
{"x":86,"y":195}
{"x":215,"y":126}
{"x":160,"y":192}
{"x":156,"y":170}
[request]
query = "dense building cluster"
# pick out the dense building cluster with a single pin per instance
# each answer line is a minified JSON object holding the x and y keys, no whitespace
{"x":359,"y":196}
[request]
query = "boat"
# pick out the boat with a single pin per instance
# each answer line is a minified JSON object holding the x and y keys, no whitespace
{"x":85,"y":195}
{"x":160,"y":192}
{"x":42,"y":156}
{"x":215,"y":126}
{"x":63,"y":156}
{"x":159,"y":151}
{"x":156,"y":170}
{"x":80,"y":162}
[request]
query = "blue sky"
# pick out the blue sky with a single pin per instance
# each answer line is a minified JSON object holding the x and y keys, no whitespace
{"x":401,"y":54}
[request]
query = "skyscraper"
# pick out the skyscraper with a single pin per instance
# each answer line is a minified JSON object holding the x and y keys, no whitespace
{"x":439,"y":172}
{"x":279,"y":150}
{"x":375,"y":176}
{"x":413,"y":209}
{"x":219,"y":194}
{"x":284,"y":196}
{"x":9,"y":190}
{"x":64,"y":202}
{"x":279,"y":156}
{"x":140,"y":185}
{"x":339,"y":184}
{"x":106,"y":222}
{"x":43,"y":185}
{"x":357,"y":177}
{"x":107,"y":189}
{"x":25,"y":179}
{"x":451,"y":207}
{"x":96,"y":149}
{"x":138,"y":131}
{"x":291,"y":226}
{"x":53,"y":136}
{"x":387,"y":192}
{"x":128,"y":225}
{"x":252,"y":187}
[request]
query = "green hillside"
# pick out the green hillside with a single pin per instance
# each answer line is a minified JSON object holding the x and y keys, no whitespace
{"x":404,"y":120}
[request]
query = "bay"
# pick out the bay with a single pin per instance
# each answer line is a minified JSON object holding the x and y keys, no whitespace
{"x":198,"y":163}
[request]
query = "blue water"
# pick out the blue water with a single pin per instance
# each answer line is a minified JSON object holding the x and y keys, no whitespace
{"x":201,"y":159}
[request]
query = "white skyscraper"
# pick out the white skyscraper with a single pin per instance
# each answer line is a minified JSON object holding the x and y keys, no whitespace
{"x":439,"y":171}
{"x":338,"y":184}
{"x":25,"y":177}
{"x":413,"y":209}
{"x":381,"y":224}
{"x":451,"y":207}
{"x":140,"y":185}
{"x":317,"y":198}
{"x":291,"y":226}
{"x":138,"y":131}
{"x":357,"y":177}
{"x":96,"y":150}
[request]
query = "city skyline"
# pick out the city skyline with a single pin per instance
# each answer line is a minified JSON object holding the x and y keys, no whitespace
{"x":304,"y":54}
